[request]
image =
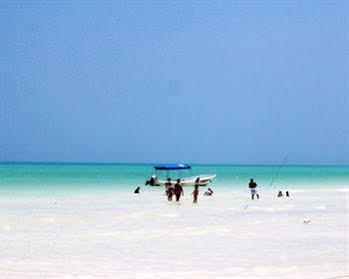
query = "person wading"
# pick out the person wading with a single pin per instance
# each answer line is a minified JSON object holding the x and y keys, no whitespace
{"x":253,"y":185}
{"x":196,"y":190}
{"x":178,"y":190}
{"x":169,"y":189}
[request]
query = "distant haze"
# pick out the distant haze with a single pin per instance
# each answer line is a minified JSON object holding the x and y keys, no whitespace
{"x":163,"y":81}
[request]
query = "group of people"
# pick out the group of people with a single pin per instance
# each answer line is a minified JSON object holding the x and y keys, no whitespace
{"x":280,"y":194}
{"x":253,"y":185}
{"x":177,"y":190}
{"x":174,"y":190}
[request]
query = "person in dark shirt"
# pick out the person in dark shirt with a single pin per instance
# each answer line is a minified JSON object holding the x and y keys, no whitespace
{"x":280,"y":195}
{"x":253,"y":185}
{"x":137,"y":190}
{"x":178,"y":190}
{"x":196,"y":190}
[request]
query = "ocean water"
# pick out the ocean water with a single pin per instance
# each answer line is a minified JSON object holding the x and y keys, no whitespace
{"x":83,"y":221}
{"x":43,"y":177}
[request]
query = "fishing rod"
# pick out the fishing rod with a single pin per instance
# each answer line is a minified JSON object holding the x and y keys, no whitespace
{"x":277,"y":172}
{"x":273,"y":179}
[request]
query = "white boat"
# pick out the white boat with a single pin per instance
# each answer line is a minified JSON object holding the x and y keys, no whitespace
{"x":204,"y":179}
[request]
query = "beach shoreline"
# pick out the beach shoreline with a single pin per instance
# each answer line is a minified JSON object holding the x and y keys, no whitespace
{"x":117,"y":234}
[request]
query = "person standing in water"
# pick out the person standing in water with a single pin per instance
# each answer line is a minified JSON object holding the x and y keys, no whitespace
{"x":196,"y":190}
{"x":178,"y":190}
{"x":169,"y":189}
{"x":253,"y":185}
{"x":170,"y":192}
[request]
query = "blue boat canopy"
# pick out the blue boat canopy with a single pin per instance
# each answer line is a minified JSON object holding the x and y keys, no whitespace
{"x":173,"y":167}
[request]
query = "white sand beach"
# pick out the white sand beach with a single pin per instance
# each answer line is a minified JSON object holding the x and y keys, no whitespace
{"x":99,"y":97}
{"x":117,"y":234}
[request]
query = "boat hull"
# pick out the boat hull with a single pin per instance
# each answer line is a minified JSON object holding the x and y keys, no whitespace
{"x":188,"y":181}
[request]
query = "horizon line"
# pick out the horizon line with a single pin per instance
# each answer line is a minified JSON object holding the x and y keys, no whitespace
{"x":153,"y":163}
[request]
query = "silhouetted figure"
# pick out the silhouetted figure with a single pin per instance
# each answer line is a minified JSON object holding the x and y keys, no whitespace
{"x":169,"y":189}
{"x":170,"y":192}
{"x":151,"y":180}
{"x":208,"y":192}
{"x":196,"y":190}
{"x":280,"y":195}
{"x":178,"y":190}
{"x":253,"y":185}
{"x":137,"y":190}
{"x":287,"y":194}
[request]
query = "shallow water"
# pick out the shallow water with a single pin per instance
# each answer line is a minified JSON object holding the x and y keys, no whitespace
{"x":70,"y":225}
{"x":114,"y":234}
{"x":57,"y":177}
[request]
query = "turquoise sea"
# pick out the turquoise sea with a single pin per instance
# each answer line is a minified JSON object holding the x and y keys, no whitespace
{"x":16,"y":177}
{"x":83,"y":221}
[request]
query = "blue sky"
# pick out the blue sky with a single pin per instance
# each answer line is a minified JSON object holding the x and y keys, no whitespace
{"x":151,"y":81}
